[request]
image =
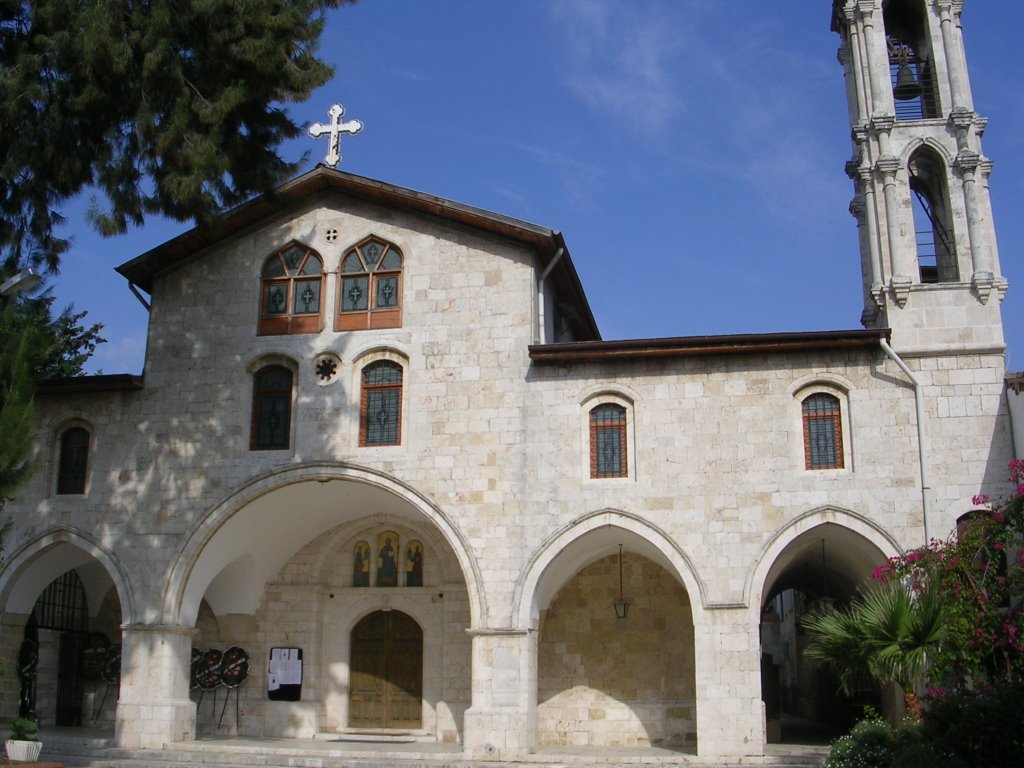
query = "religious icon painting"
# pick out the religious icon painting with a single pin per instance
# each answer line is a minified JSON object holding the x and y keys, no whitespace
{"x":361,"y":564}
{"x":387,"y":559}
{"x":414,"y":564}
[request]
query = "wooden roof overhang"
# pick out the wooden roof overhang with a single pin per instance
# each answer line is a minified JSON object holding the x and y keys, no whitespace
{"x":75,"y":385}
{"x":694,"y":346}
{"x":144,"y":269}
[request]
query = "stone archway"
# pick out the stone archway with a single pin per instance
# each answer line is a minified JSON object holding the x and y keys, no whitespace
{"x":821,"y":560}
{"x":604,"y":681}
{"x":63,"y":599}
{"x":277,"y":571}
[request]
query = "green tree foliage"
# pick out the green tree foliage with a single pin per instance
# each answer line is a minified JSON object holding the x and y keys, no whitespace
{"x":172,"y":108}
{"x":34,"y":345}
{"x":16,"y":418}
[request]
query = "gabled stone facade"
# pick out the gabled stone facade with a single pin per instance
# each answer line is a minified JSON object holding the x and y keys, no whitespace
{"x":510,"y":474}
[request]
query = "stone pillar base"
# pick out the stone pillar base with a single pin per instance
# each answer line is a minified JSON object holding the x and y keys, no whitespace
{"x":497,"y":735}
{"x":153,"y":725}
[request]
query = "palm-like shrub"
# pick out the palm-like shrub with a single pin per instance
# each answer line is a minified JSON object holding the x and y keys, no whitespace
{"x":885,"y":633}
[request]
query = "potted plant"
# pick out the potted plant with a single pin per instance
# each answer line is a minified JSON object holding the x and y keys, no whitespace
{"x":23,"y":746}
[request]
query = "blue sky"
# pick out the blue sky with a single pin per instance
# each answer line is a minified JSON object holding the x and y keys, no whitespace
{"x":690,"y":151}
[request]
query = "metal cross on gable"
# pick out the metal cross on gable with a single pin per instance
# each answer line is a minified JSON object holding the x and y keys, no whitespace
{"x":335,"y":129}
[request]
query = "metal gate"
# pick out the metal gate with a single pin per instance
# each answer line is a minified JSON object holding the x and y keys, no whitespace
{"x":61,"y":608}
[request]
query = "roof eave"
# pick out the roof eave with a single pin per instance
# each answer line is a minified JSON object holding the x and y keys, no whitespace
{"x":694,"y":346}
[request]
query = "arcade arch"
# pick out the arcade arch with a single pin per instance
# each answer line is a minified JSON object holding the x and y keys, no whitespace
{"x":289,"y":565}
{"x":819,"y":560}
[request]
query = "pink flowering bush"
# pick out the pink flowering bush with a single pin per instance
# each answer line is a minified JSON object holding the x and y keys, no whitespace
{"x":979,"y":572}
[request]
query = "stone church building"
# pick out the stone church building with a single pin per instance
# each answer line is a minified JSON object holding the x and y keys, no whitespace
{"x":380,"y":445}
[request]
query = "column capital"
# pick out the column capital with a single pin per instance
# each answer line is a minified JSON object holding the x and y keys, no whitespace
{"x":961,"y":118}
{"x":882,"y":122}
{"x":866,"y":8}
{"x":888,"y":166}
{"x":967,"y":161}
{"x":858,"y":208}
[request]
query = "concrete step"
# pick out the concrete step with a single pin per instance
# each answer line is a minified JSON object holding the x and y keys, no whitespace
{"x":382,"y":753}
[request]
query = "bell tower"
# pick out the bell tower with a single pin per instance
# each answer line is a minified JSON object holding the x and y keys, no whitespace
{"x":928,"y":249}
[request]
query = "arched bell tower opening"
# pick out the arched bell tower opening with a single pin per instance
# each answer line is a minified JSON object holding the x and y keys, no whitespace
{"x":933,"y":230}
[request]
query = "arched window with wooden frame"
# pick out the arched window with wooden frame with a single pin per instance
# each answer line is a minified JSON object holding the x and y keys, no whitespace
{"x":292,"y":286}
{"x":380,"y":410}
{"x":370,"y":287}
{"x":271,"y":409}
{"x":823,"y":431}
{"x":73,"y":462}
{"x":608,"y":449}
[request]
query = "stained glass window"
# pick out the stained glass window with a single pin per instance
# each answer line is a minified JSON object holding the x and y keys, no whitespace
{"x":292,"y":286}
{"x":608,"y":441}
{"x":381,"y":410}
{"x":371,"y":287}
{"x":74,"y":460}
{"x":823,"y":432}
{"x":271,"y":408}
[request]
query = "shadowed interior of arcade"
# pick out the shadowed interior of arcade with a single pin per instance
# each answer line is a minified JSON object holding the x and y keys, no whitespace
{"x":819,"y":569}
{"x":61,"y":636}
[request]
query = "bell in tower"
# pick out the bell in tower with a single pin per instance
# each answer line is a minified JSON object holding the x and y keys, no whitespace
{"x":927,"y":240}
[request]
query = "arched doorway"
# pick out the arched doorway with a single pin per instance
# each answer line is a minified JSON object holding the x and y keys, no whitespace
{"x":822,"y":567}
{"x":386,"y":688}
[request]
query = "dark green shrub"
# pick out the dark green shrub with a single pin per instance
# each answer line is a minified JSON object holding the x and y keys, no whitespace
{"x":983,"y":727}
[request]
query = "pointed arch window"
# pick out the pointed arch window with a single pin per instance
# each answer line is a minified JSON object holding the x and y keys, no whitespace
{"x":380,"y":412}
{"x":292,"y":286}
{"x":608,"y":455}
{"x":73,"y":464}
{"x":271,"y":408}
{"x":823,"y":432}
{"x":370,"y":293}
{"x":933,"y":232}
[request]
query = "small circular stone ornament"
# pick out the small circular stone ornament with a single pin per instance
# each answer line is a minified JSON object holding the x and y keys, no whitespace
{"x":326,"y":366}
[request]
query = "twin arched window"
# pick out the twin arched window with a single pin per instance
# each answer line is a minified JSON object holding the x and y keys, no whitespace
{"x":371,"y":287}
{"x":292,"y":284}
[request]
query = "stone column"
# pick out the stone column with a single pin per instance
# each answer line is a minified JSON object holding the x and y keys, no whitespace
{"x":953,"y":48}
{"x":857,"y":60}
{"x":900,"y":260}
{"x":730,"y":713}
{"x":982,"y":278}
{"x":878,"y":57}
{"x":154,"y":707}
{"x":12,"y":632}
{"x":501,"y":724}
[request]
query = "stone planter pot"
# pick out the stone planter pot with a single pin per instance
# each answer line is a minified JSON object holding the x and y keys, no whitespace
{"x":23,"y":751}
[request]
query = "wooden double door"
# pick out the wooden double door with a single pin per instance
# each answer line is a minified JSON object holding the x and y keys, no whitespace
{"x":386,"y":682}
